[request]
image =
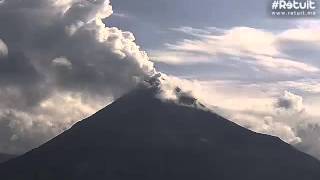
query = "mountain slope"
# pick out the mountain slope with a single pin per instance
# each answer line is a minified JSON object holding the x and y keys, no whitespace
{"x":140,"y":137}
{"x":5,"y":157}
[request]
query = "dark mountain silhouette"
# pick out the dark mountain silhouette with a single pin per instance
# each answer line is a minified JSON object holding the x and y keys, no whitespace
{"x":139,"y":137}
{"x":5,"y":157}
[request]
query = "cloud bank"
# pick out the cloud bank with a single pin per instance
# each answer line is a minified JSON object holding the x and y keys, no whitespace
{"x":258,"y":48}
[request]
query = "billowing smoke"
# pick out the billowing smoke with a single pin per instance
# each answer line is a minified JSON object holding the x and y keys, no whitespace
{"x":59,"y":63}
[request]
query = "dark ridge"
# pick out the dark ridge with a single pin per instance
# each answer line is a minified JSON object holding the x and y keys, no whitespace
{"x":139,"y":137}
{"x":6,"y":157}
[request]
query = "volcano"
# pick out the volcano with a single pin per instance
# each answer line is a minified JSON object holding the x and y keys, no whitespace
{"x":140,"y":137}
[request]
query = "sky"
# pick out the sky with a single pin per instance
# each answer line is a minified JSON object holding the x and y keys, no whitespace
{"x":62,"y":60}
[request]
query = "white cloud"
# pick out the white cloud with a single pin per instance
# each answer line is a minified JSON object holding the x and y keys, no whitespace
{"x":310,"y":34}
{"x":62,"y":61}
{"x":176,"y":57}
{"x":121,"y":15}
{"x":59,"y":112}
{"x":290,"y":101}
{"x":256,"y":47}
{"x":267,"y":125}
{"x":284,"y":65}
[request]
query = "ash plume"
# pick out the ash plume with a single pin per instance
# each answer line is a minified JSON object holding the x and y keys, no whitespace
{"x":59,"y":62}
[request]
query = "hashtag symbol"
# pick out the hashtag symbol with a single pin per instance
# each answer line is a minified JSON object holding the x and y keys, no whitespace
{"x":275,"y":4}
